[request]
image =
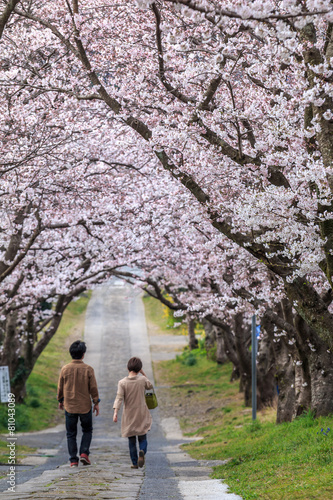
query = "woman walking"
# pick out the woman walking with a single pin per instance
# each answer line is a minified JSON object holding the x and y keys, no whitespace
{"x":136,"y":419}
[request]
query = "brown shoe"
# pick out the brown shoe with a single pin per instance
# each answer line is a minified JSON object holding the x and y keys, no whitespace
{"x":134,"y":466}
{"x":84,"y":459}
{"x":141,"y":460}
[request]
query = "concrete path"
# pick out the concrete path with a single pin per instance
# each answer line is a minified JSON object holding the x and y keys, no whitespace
{"x":115,"y":331}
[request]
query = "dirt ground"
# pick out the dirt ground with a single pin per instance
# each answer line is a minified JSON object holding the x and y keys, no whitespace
{"x":195,"y":406}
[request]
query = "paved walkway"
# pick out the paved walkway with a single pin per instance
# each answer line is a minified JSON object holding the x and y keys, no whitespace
{"x":115,"y":330}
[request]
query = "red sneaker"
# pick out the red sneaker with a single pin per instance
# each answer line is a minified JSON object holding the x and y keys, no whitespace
{"x":74,"y":464}
{"x":84,"y":459}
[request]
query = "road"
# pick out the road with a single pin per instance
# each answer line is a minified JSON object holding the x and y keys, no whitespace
{"x":115,"y":330}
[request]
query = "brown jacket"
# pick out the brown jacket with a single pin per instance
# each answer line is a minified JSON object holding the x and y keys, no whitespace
{"x":136,"y":419}
{"x":77,"y":386}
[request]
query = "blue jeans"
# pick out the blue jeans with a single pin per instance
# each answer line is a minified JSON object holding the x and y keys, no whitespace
{"x":143,"y":443}
{"x":71,"y":428}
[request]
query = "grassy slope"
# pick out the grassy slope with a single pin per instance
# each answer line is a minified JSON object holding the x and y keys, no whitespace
{"x":39,"y":410}
{"x":265,"y":461}
{"x":160,"y":319}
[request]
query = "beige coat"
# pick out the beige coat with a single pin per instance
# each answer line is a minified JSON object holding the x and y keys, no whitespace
{"x":136,"y":419}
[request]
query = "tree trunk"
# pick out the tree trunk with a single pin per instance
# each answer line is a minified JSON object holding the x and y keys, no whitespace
{"x":299,"y":353}
{"x":284,"y":373}
{"x":266,"y":381}
{"x":9,"y":353}
{"x":18,"y":382}
{"x":321,"y":371}
{"x":26,"y":362}
{"x":192,"y":340}
{"x":230,"y":350}
{"x":242,"y":344}
{"x":210,"y":337}
{"x":221,"y":355}
{"x":302,"y":390}
{"x":319,"y":363}
{"x":12,"y":356}
{"x":311,"y":308}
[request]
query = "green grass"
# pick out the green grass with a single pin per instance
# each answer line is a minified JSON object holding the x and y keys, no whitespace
{"x":21,"y":451}
{"x":265,"y":461}
{"x":269,"y":461}
{"x":162,"y":317}
{"x":39,"y":409}
{"x":202,"y":373}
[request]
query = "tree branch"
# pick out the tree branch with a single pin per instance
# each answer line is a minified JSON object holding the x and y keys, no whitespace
{"x":161,"y":70}
{"x":213,"y":12}
{"x":5,"y":15}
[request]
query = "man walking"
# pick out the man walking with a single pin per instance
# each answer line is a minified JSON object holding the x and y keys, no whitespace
{"x":77,"y":388}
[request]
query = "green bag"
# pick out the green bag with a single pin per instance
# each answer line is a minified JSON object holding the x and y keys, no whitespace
{"x":151,"y":399}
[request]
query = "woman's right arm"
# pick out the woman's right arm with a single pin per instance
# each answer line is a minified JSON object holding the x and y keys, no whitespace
{"x":148,"y":384}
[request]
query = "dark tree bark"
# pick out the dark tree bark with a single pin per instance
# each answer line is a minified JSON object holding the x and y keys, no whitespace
{"x":6,"y":13}
{"x":230,"y":350}
{"x":284,"y":372}
{"x":299,"y":354}
{"x":210,"y":336}
{"x":266,"y":381}
{"x":11,"y":343}
{"x":317,"y":360}
{"x":24,"y":364}
{"x":242,"y":343}
{"x":221,"y":355}
{"x":192,"y":340}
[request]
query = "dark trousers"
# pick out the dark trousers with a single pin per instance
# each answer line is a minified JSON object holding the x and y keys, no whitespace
{"x":71,"y":428}
{"x":143,"y":443}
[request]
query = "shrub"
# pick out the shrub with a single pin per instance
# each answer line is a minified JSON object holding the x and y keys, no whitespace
{"x":34,"y":403}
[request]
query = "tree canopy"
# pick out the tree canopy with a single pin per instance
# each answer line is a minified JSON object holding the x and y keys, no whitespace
{"x":190,"y":141}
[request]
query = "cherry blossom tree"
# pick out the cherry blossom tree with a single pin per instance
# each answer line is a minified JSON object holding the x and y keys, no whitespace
{"x":218,"y":93}
{"x":230,"y":101}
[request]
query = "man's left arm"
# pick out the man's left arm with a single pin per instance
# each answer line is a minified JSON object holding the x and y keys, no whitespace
{"x":60,"y":392}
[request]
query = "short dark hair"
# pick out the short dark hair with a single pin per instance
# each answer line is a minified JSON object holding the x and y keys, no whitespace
{"x":77,"y":349}
{"x":134,"y":365}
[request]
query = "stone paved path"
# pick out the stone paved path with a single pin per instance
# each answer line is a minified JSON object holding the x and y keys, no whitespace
{"x":115,"y":331}
{"x":109,"y":477}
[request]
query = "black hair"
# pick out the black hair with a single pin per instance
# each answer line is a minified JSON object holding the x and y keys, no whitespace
{"x":134,"y":365}
{"x":77,"y":349}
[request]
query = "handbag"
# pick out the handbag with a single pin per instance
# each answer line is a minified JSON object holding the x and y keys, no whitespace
{"x":151,"y":399}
